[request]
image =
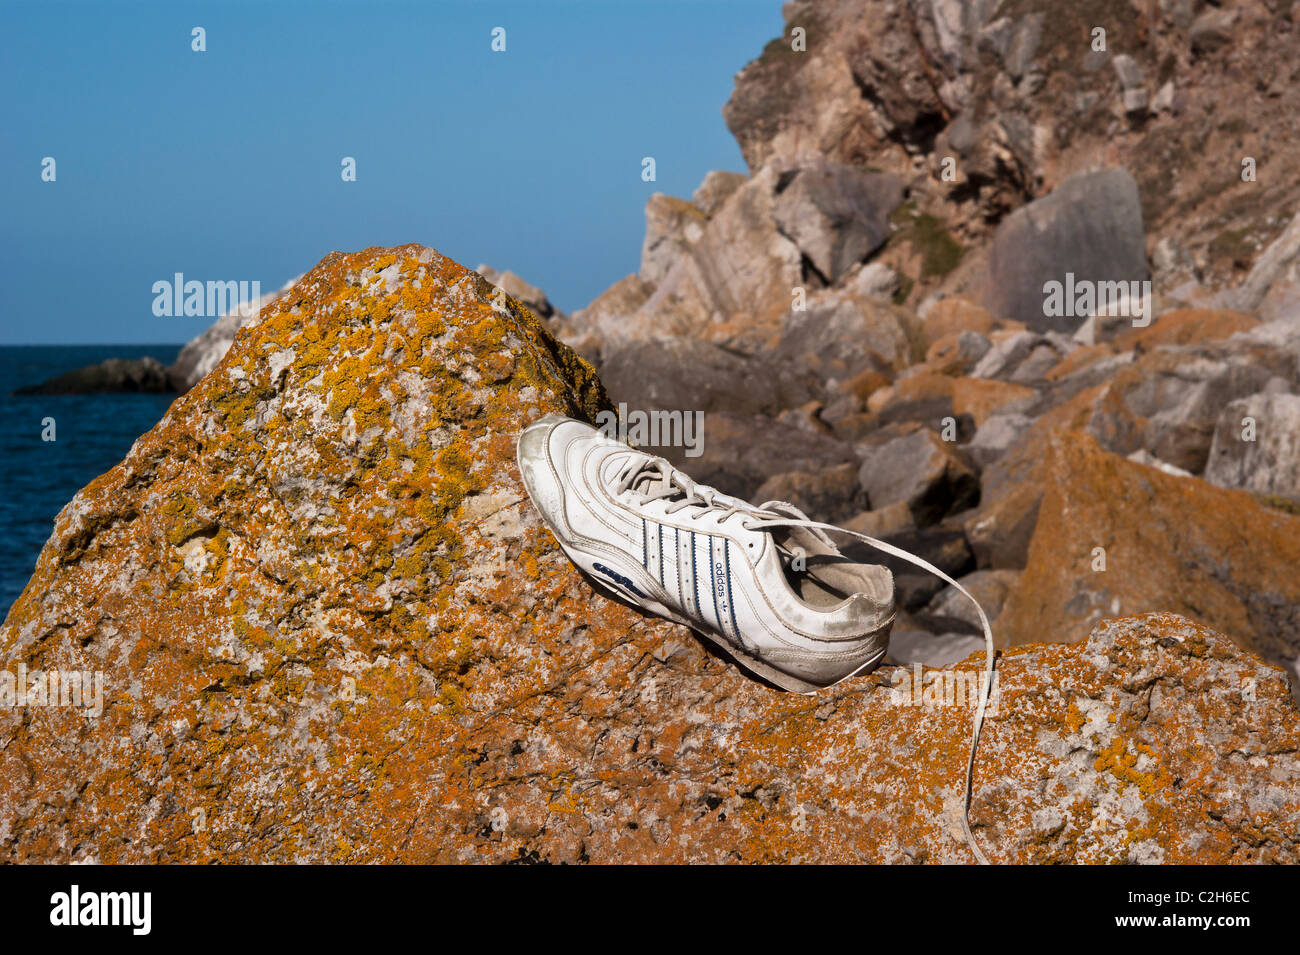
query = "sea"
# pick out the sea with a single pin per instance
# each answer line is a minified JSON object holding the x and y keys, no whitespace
{"x":92,"y":433}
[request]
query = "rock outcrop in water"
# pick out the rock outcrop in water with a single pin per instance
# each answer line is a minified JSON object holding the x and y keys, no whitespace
{"x":332,"y":628}
{"x":114,"y":375}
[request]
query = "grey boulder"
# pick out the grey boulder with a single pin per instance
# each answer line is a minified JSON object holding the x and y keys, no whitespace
{"x":836,"y":214}
{"x":1090,"y":226}
{"x":1256,"y":446}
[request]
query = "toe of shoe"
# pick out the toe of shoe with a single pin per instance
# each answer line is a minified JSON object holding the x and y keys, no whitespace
{"x":541,"y":449}
{"x":535,"y":439}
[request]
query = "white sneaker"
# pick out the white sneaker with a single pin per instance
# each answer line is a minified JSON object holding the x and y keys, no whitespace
{"x":766,"y":584}
{"x":781,"y":599}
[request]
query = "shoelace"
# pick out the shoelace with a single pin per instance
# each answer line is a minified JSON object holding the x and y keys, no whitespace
{"x":671,"y":483}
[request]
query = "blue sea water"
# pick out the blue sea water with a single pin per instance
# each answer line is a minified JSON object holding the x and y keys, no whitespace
{"x":92,"y":434}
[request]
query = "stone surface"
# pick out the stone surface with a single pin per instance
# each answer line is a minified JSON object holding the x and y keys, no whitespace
{"x":1260,"y":454}
{"x":1006,"y":355}
{"x":1169,"y":400}
{"x":883,"y":521}
{"x":1169,"y":542}
{"x":524,"y":292}
{"x":954,"y":315}
{"x":944,"y":547}
{"x":874,"y":280}
{"x":982,"y":398}
{"x":672,"y":226}
{"x":840,"y":335}
{"x":679,"y":374}
{"x":606,"y":317}
{"x":992,"y":439}
{"x":737,"y":279}
{"x":989,"y":587}
{"x":930,"y":649}
{"x":836,"y":214}
{"x":830,"y":495}
{"x":715,"y":189}
{"x":1090,"y":226}
{"x":740,"y":452}
{"x":1186,"y":326}
{"x":1212,"y":30}
{"x":1277,"y":264}
{"x":957,"y":352}
{"x":922,"y":470}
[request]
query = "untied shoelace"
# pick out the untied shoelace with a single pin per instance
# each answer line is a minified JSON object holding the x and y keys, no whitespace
{"x":661,"y":481}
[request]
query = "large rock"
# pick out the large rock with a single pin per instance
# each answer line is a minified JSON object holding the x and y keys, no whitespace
{"x":989,"y":587}
{"x":732,"y":282}
{"x":839,"y":335}
{"x":716,"y":187}
{"x":1089,"y":226}
{"x":672,"y":226}
{"x":332,"y":629}
{"x":921,"y":469}
{"x":836,"y":214}
{"x":604,"y":319}
{"x":681,"y":374}
{"x":1115,"y":537}
{"x":740,"y":452}
{"x":114,"y":375}
{"x":1275,"y":274}
{"x":1169,"y":400}
{"x":1186,"y":326}
{"x":832,"y":494}
{"x":1256,"y":446}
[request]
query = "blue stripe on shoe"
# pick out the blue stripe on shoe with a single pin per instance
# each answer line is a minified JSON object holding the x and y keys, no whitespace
{"x":662,"y":579}
{"x":731,"y":600}
{"x":695,"y":578}
{"x":713,"y":585}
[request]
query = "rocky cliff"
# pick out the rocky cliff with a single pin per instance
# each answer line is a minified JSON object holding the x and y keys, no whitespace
{"x":331,"y":628}
{"x":1005,"y":285}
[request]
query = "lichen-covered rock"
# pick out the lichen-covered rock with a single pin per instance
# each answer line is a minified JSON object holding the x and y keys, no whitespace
{"x":201,"y":354}
{"x":1113,"y":536}
{"x":332,"y":628}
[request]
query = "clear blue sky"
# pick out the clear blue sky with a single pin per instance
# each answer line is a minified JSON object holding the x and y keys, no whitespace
{"x":226,"y":164}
